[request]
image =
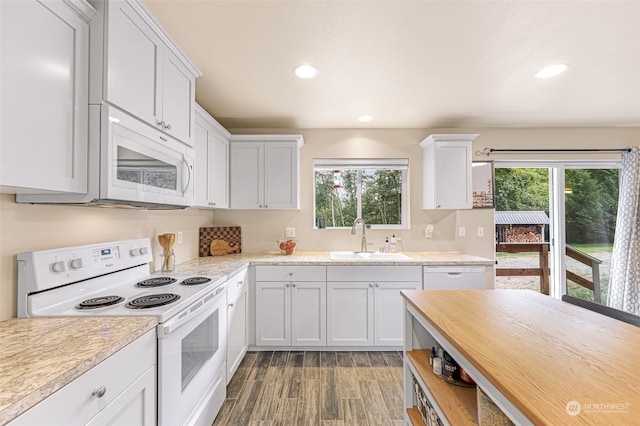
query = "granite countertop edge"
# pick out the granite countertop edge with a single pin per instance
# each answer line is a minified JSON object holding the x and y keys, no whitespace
{"x":222,"y":267}
{"x":21,"y":400}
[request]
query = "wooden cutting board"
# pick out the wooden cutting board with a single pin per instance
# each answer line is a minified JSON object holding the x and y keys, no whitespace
{"x":222,"y":247}
{"x":219,"y":240}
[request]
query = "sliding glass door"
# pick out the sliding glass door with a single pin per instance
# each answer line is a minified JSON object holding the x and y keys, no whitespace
{"x":580,"y":200}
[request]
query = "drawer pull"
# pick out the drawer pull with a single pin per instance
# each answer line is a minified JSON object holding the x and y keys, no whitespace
{"x":231,"y":305}
{"x":99,"y":392}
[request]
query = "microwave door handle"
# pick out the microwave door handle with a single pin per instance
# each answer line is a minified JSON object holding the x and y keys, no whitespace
{"x":188,"y":166}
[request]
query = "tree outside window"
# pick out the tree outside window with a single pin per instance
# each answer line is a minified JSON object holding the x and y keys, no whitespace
{"x":374,"y":190}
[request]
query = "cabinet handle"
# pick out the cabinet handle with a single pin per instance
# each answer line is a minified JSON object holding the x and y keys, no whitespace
{"x":259,"y":206}
{"x":293,"y":285}
{"x":231,"y":305}
{"x":239,"y":283}
{"x":286,"y":285}
{"x":163,"y":139}
{"x":167,"y":126}
{"x":99,"y":392}
{"x":370,"y":284}
{"x":377,"y":285}
{"x":266,"y":206}
{"x":159,"y":123}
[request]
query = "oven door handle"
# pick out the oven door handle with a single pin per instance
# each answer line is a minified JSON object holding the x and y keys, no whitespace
{"x":202,"y":305}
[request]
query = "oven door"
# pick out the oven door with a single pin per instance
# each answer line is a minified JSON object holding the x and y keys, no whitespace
{"x":191,"y":362}
{"x":143,"y":164}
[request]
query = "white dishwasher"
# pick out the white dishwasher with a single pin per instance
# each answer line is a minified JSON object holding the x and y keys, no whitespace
{"x":453,"y":277}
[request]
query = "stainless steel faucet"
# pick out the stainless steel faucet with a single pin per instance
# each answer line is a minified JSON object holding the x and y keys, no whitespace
{"x":363,"y":246}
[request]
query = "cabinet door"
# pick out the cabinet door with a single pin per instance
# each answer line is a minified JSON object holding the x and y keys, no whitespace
{"x":308,"y":313}
{"x":247,"y":175}
{"x":133,"y":407}
{"x":133,"y":58}
{"x":453,"y":175}
{"x":281,"y":175}
{"x":273,"y":314}
{"x":238,"y":332}
{"x":219,"y":171}
{"x":44,"y":67}
{"x":177,"y":94}
{"x":202,"y":170}
{"x":389,"y":312}
{"x":349,"y":313}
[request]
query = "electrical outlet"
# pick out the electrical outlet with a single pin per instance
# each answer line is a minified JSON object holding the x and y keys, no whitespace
{"x":290,"y":232}
{"x":462,"y":231}
{"x":179,"y":237}
{"x":480,"y":231}
{"x":428,"y":231}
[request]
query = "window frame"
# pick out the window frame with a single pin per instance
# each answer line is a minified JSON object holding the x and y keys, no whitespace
{"x":401,"y":164}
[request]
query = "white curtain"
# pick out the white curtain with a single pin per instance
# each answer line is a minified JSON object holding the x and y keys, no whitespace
{"x":624,"y":281}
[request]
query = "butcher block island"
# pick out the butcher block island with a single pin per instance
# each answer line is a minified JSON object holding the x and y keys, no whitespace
{"x":534,"y":360}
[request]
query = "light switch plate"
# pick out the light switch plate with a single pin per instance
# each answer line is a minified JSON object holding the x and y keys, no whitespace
{"x":290,"y":232}
{"x":462,"y":231}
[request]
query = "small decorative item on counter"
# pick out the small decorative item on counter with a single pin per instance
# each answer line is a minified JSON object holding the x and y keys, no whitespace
{"x":167,"y":256}
{"x":287,"y":247}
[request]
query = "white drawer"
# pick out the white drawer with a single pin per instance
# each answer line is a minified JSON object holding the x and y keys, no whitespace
{"x":374,"y":273}
{"x":236,"y":283}
{"x":291,"y":273}
{"x":75,"y":402}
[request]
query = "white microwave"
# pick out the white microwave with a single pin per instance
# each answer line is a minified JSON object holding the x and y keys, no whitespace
{"x":131,"y":164}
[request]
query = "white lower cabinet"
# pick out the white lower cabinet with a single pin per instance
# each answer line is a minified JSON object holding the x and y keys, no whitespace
{"x":121,"y":390}
{"x":291,"y":306}
{"x":237,"y":321}
{"x":364,"y":307}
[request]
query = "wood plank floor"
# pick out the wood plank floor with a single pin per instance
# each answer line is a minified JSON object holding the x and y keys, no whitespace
{"x":315,"y":388}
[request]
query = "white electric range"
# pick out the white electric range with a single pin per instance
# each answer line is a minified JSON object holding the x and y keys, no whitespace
{"x":114,"y":279}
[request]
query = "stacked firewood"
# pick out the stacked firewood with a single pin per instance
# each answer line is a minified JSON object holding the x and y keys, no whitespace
{"x":522,"y":234}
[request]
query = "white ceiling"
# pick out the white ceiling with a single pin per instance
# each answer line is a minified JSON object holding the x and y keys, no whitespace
{"x":411,"y":64}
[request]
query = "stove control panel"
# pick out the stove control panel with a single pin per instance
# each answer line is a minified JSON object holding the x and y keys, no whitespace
{"x":106,"y":254}
{"x":45,"y":269}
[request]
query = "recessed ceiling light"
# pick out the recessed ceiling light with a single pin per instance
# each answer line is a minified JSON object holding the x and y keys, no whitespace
{"x":305,"y":71}
{"x":551,"y":71}
{"x":365,"y":118}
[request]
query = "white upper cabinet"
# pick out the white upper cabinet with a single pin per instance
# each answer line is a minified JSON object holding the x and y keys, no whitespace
{"x":212,"y":162}
{"x":446,"y":171}
{"x":142,"y":70}
{"x":44,"y":66}
{"x":265,"y":171}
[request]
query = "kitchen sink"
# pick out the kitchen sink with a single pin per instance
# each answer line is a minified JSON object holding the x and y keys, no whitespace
{"x":358,"y":255}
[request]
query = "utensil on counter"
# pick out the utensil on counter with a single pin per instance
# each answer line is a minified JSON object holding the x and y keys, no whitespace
{"x":168,"y":256}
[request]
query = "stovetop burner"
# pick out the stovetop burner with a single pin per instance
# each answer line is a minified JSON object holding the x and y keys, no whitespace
{"x":195,"y":281}
{"x":99,"y":302}
{"x":156,"y":282}
{"x":152,"y":301}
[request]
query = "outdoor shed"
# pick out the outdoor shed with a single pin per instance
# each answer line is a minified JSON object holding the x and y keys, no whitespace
{"x":521,"y":226}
